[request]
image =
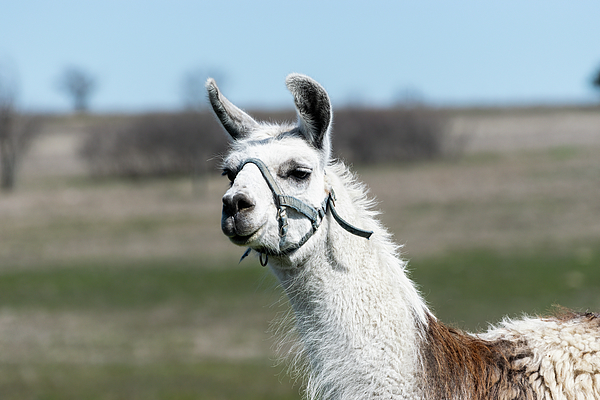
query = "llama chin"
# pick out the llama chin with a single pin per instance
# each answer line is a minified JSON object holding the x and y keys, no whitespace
{"x":363,"y":329}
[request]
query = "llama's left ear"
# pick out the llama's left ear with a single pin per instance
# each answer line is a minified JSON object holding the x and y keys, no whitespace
{"x":235,"y":121}
{"x":314,"y":111}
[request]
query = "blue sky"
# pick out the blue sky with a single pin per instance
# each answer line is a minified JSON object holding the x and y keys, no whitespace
{"x":449,"y":52}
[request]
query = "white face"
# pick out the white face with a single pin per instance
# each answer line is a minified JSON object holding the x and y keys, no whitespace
{"x":249,"y":215}
{"x":295,"y":157}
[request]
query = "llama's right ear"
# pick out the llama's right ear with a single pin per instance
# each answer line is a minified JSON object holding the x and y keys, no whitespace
{"x":314,"y":111}
{"x":235,"y":121}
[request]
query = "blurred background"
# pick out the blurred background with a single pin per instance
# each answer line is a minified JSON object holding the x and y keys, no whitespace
{"x":475,"y":125}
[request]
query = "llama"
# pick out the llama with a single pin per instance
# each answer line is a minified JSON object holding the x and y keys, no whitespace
{"x":363,"y":329}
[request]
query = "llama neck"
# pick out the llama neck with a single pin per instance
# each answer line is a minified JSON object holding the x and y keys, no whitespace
{"x":357,"y":316}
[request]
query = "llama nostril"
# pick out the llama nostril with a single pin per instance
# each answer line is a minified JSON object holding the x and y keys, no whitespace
{"x":228,"y":206}
{"x":237,"y":203}
{"x":242,"y":202}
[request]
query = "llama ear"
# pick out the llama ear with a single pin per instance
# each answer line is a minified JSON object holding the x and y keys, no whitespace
{"x":314,"y":110}
{"x":235,"y":121}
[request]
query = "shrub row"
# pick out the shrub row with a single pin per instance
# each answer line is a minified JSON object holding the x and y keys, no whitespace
{"x":191,"y":142}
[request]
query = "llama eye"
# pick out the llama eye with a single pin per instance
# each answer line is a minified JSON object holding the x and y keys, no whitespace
{"x":300,"y":173}
{"x":229,"y":173}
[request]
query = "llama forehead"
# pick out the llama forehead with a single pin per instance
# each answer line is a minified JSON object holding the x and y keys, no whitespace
{"x":266,"y":130}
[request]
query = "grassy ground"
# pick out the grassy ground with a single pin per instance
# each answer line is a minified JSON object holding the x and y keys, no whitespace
{"x":144,"y":331}
{"x":158,"y":331}
{"x":202,"y":380}
{"x":128,"y":290}
{"x":470,"y":289}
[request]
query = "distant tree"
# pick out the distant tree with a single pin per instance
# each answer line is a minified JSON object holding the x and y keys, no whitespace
{"x":78,"y":85}
{"x":7,"y":116}
{"x":596,"y":80}
{"x":408,"y":97}
{"x":16,"y":131}
{"x":193,"y":90}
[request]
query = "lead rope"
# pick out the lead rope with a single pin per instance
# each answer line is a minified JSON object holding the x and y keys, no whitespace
{"x":316,"y":216}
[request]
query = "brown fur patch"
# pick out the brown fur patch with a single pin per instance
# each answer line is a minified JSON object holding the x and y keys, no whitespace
{"x":460,"y":366}
{"x":565,"y":315}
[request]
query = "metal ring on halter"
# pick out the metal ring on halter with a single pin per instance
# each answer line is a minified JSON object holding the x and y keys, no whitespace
{"x":283,"y":224}
{"x":265,"y":261}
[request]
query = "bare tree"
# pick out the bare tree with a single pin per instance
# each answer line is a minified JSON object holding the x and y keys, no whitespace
{"x":7,"y":145}
{"x":16,"y":131}
{"x":79,"y":86}
{"x":192,"y":87}
{"x":596,"y":80}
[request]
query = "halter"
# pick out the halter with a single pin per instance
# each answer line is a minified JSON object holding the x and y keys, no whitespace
{"x":315,"y":215}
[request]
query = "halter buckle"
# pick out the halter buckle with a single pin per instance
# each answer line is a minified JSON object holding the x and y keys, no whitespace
{"x":283,"y":224}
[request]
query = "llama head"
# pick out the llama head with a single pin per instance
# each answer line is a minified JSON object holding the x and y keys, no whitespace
{"x":265,"y":159}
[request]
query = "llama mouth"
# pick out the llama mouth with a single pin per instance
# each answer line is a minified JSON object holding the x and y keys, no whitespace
{"x":244,"y":240}
{"x":239,"y":231}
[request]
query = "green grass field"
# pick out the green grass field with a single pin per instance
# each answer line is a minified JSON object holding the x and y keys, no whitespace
{"x":202,"y":380}
{"x":153,"y":311}
{"x":128,"y":290}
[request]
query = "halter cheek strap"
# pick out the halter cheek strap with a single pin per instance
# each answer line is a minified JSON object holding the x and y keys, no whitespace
{"x":315,"y":215}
